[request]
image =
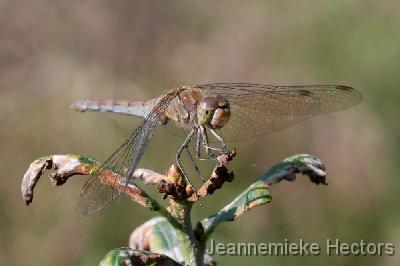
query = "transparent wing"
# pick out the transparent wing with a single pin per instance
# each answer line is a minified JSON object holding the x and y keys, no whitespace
{"x":95,"y":195}
{"x":177,"y":129}
{"x":259,"y":109}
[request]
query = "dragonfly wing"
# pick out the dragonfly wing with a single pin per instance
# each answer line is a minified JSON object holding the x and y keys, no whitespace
{"x":94,"y":197}
{"x":258,"y":109}
{"x":177,"y":129}
{"x":246,"y":123}
{"x":123,"y":161}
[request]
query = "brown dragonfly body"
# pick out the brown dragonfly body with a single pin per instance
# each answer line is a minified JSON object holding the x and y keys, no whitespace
{"x":230,"y":111}
{"x":182,"y":109}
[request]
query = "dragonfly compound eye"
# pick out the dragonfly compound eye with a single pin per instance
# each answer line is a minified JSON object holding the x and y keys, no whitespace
{"x":213,"y":111}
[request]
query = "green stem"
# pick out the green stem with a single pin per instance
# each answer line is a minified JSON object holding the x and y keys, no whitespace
{"x":192,"y":249}
{"x":171,"y":219}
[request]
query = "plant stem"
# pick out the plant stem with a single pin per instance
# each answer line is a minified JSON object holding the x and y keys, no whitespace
{"x":171,"y":219}
{"x":192,"y":249}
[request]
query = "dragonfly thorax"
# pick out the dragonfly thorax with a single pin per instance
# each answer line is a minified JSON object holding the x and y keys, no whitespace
{"x":213,"y":112}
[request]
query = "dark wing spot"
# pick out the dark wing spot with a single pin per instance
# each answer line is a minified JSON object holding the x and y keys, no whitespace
{"x":305,"y":92}
{"x":344,"y":88}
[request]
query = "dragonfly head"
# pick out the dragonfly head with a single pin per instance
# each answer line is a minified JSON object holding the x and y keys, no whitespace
{"x":213,"y":111}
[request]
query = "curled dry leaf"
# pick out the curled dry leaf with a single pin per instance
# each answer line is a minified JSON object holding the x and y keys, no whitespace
{"x":175,"y":185}
{"x":219,"y":176}
{"x":65,"y":166}
{"x":302,"y":163}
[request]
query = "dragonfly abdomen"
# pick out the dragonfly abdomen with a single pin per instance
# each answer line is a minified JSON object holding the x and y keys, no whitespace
{"x":135,"y":108}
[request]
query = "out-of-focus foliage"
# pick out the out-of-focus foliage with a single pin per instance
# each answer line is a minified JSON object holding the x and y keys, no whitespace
{"x":55,"y":52}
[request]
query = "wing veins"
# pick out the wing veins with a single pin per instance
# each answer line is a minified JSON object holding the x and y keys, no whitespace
{"x":96,"y":195}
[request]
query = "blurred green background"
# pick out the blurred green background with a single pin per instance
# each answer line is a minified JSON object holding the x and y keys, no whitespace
{"x":55,"y":52}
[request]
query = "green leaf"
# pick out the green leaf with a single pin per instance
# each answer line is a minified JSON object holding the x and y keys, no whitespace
{"x":255,"y":195}
{"x":127,"y":256}
{"x":159,"y":236}
{"x":164,"y":240}
{"x":258,"y":194}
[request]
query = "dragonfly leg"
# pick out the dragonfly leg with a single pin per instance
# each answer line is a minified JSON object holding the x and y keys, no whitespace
{"x":184,"y":146}
{"x":202,"y":141}
{"x":195,"y":165}
{"x":219,"y":138}
{"x":199,"y":144}
{"x":213,"y":149}
{"x":205,"y":140}
{"x":198,"y":152}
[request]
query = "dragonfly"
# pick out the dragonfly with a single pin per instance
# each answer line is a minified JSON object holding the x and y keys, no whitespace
{"x":226,"y":112}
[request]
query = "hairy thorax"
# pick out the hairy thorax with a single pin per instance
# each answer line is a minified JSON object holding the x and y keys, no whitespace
{"x":192,"y":107}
